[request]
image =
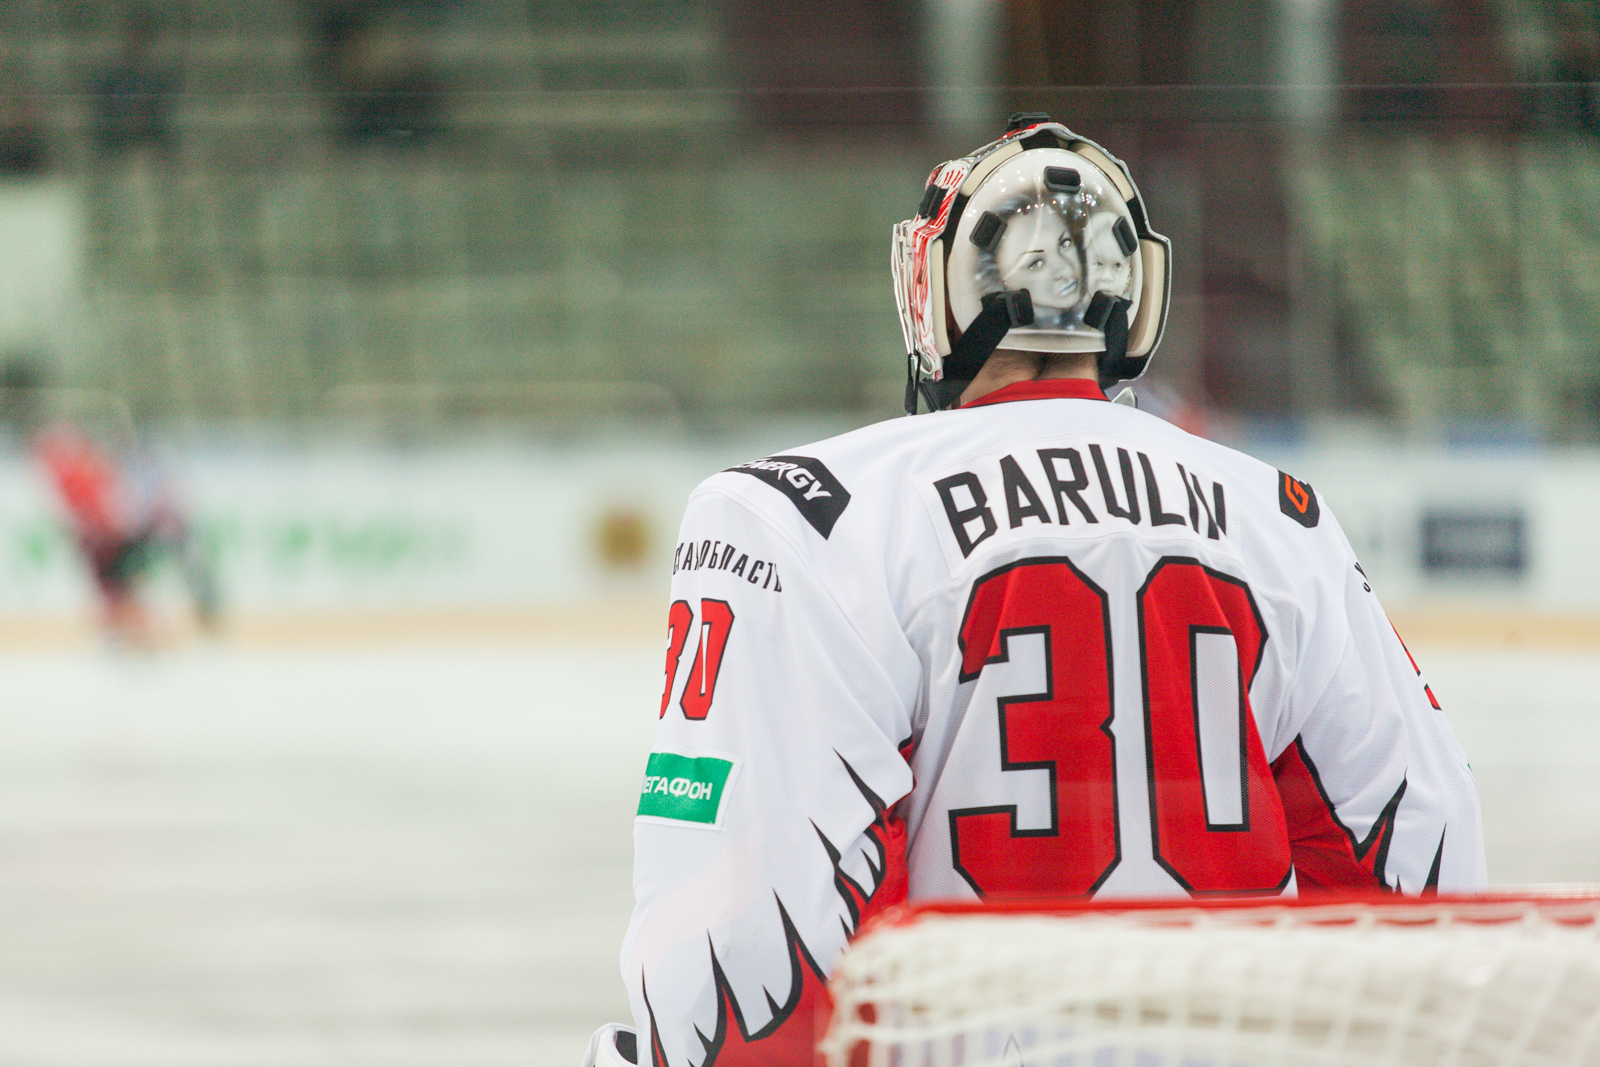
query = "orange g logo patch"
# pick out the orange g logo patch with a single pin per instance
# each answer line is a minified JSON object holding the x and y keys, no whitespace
{"x":1297,"y":500}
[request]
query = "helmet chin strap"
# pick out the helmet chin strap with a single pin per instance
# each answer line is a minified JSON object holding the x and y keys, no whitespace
{"x":1109,"y":315}
{"x":1014,"y":307}
{"x":1001,"y":311}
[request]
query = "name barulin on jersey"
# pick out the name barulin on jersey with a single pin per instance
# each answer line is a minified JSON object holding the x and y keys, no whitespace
{"x":716,"y":555}
{"x":1063,"y":489}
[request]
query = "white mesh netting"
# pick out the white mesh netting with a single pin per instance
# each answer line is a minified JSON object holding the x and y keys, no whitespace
{"x":1504,"y":982}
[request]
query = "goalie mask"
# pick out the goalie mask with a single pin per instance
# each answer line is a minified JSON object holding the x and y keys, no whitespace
{"x":1037,"y":242}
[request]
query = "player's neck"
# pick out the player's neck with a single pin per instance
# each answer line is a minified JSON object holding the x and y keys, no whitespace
{"x":1006,"y":367}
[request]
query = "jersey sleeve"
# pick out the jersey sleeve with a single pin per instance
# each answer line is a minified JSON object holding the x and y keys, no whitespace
{"x":1377,"y":793}
{"x":766,"y":829}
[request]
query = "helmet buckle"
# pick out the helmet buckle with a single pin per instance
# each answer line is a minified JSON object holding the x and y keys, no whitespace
{"x":986,"y":234}
{"x":1017,"y":303}
{"x":1021,"y":120}
{"x":1063,"y":179}
{"x":1098,"y":313}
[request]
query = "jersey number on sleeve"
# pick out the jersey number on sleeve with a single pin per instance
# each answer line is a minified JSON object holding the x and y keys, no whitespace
{"x":716,"y":621}
{"x":1216,"y":822}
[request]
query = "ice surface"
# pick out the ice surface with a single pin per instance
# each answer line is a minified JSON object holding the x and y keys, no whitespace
{"x":1529,"y":722}
{"x":419,"y":854}
{"x":411,"y":856}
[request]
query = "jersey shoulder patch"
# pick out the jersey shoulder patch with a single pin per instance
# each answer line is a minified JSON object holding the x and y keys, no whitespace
{"x":811,"y":487}
{"x":1298,"y":500}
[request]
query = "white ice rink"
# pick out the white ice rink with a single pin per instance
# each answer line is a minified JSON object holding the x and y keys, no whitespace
{"x":418,"y":855}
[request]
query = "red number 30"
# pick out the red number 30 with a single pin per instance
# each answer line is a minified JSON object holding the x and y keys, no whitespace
{"x":1216,"y":822}
{"x":716,"y":621}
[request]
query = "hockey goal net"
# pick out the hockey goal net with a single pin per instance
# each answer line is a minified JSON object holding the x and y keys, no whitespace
{"x":1510,"y":980}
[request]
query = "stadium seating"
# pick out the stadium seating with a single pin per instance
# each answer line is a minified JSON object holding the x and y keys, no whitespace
{"x":594,"y":206}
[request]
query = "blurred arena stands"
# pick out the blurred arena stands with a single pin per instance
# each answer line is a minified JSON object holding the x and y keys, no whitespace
{"x":276,"y":208}
{"x":661,"y":229}
{"x":540,"y":199}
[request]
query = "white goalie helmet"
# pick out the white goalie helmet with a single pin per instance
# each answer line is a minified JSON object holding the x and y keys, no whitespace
{"x":1036,"y":242}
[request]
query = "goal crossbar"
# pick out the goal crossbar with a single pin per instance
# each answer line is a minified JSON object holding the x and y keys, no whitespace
{"x":1508,"y":979}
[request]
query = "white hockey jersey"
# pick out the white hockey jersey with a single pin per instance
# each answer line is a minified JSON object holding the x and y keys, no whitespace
{"x":1043,"y":644}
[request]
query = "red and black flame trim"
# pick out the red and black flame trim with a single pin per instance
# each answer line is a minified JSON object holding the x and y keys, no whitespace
{"x":658,"y":1054}
{"x":885,"y":831}
{"x":1426,"y":688}
{"x":789,"y":1037}
{"x":1431,"y":887}
{"x":1373,"y":852}
{"x":850,"y":891}
{"x":1326,"y":853}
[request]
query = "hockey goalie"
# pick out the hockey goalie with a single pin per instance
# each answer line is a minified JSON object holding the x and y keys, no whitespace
{"x":1027,"y":643}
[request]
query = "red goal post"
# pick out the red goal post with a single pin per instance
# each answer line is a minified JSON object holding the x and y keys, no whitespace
{"x":1509,"y":979}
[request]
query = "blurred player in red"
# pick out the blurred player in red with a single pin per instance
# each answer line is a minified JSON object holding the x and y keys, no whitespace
{"x":123,"y":521}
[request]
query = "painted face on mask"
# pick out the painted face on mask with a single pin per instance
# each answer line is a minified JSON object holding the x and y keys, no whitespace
{"x":1036,"y":253}
{"x":1046,"y":221}
{"x":1109,"y":269}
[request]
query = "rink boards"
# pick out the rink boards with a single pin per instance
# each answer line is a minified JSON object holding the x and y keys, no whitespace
{"x":499,"y":528}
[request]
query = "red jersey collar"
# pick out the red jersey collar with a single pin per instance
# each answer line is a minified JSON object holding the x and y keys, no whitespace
{"x":1042,"y":389}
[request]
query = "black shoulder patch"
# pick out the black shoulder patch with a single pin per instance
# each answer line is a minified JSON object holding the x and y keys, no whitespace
{"x":809,"y":485}
{"x":1298,"y":500}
